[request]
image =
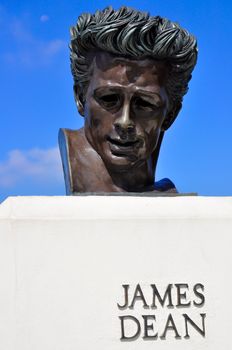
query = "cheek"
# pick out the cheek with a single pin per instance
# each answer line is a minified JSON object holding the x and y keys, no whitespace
{"x":149,"y":128}
{"x":95,"y":123}
{"x":152,"y":140}
{"x":151,"y":132}
{"x":92,"y":116}
{"x":97,"y":120}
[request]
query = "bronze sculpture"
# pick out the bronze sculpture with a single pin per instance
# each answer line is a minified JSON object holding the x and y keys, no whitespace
{"x":131,"y":71}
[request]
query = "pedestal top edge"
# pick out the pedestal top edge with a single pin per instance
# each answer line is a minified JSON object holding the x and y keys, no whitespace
{"x":115,"y":207}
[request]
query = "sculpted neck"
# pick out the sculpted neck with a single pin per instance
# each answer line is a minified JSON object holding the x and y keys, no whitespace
{"x":136,"y":179}
{"x":86,"y":172}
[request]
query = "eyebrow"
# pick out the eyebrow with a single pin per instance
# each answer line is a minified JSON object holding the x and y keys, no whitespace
{"x":121,"y":88}
{"x":143,"y":93}
{"x":148,"y":93}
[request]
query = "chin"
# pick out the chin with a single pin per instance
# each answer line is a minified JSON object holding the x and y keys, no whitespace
{"x":120,"y":164}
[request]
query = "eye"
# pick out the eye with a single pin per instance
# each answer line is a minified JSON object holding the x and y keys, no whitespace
{"x":144,"y":104}
{"x":109,"y":101}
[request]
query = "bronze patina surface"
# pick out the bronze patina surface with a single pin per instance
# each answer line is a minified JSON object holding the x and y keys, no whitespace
{"x":131,"y":71}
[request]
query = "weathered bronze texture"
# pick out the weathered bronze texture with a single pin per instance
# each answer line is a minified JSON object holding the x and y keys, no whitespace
{"x":130,"y":73}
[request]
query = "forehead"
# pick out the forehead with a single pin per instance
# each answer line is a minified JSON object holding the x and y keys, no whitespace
{"x":113,"y":70}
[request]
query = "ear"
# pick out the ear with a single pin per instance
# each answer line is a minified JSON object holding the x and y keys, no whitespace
{"x":171,"y":116}
{"x":78,"y":99}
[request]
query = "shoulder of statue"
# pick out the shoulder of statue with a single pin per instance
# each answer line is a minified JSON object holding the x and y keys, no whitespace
{"x":70,"y":137}
{"x":69,"y":142}
{"x":82,"y":166}
{"x":165,"y":185}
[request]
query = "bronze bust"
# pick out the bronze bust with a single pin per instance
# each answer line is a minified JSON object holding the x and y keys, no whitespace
{"x":131,"y":71}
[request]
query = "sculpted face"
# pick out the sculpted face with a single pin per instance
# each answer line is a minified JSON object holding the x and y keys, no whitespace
{"x":126,"y":105}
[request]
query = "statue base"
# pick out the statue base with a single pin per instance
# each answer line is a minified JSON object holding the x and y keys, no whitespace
{"x":115,"y":272}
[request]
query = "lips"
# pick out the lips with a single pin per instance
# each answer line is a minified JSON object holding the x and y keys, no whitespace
{"x":121,"y":147}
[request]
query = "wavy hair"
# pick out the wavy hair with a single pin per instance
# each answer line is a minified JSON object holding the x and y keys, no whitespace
{"x":136,"y":35}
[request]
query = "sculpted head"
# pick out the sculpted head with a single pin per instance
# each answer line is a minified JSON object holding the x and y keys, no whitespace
{"x":130,"y":71}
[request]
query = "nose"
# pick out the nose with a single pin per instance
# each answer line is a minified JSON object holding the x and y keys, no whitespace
{"x":124,"y":125}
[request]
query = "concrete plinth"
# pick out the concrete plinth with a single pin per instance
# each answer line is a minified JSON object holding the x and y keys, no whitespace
{"x":115,"y":273}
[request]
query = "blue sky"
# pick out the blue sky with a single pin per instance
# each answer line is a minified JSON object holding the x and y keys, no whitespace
{"x":37,"y":99}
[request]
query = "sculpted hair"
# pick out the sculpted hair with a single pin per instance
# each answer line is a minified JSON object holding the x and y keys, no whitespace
{"x":136,"y":35}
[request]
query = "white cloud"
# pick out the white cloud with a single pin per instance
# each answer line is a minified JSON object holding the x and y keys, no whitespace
{"x":44,"y":18}
{"x":36,"y":165}
{"x":18,"y":31}
{"x":37,"y":54}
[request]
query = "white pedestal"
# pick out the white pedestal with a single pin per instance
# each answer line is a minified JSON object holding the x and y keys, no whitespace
{"x":64,"y":262}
